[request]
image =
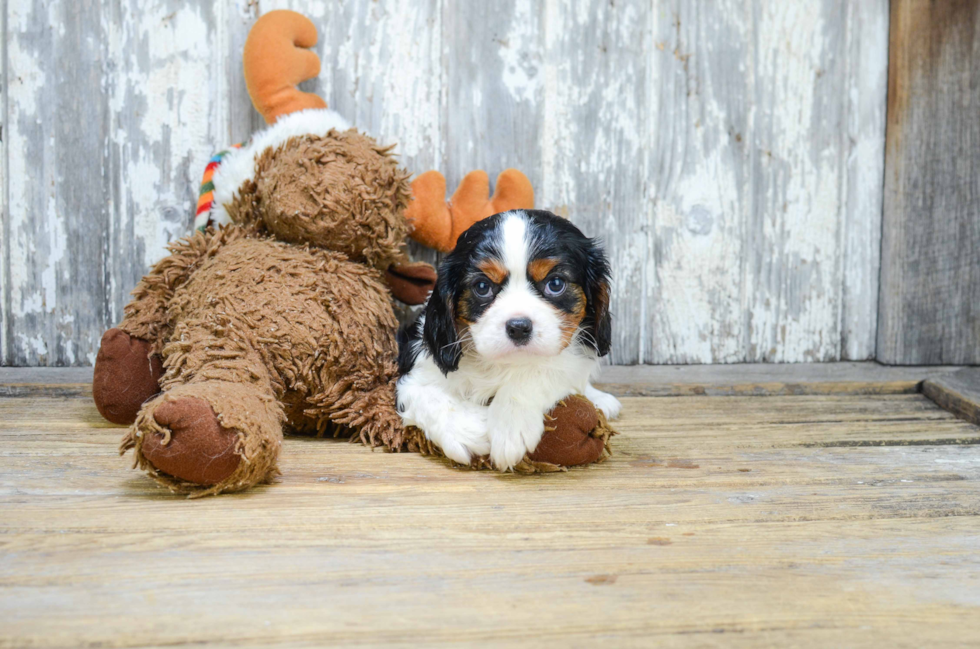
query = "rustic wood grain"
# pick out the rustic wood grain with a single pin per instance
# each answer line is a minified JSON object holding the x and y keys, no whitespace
{"x":594,"y":136}
{"x":493,"y":85}
{"x":4,"y":189}
{"x":866,"y":63}
{"x":743,"y":379}
{"x":930,"y":291}
{"x":55,"y":136}
{"x":764,"y":379}
{"x":730,"y":521}
{"x":759,"y":250}
{"x":958,"y":392}
{"x":729,"y":155}
{"x":168,"y":115}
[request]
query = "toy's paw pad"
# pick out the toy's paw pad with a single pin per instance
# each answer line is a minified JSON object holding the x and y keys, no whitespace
{"x":125,"y":376}
{"x":566,"y":441}
{"x":200,"y":449}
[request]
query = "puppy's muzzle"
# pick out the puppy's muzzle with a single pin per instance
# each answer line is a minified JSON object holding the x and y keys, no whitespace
{"x":519,"y":330}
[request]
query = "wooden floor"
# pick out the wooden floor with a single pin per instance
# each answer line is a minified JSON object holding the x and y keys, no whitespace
{"x":782,"y":521}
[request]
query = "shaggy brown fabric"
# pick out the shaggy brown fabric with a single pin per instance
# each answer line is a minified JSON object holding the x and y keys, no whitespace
{"x":127,"y":373}
{"x":281,"y":320}
{"x":194,"y":446}
{"x":261,"y":322}
{"x":342,"y":192}
{"x":146,"y":314}
{"x":566,"y":441}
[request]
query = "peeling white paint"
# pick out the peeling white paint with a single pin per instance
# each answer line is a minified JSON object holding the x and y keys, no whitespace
{"x":26,"y":78}
{"x":730,"y":155}
{"x":518,"y":51}
{"x":172,"y":130}
{"x":34,"y":343}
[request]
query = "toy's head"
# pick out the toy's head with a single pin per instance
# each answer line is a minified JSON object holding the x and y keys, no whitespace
{"x":310,"y":178}
{"x":339,"y":191}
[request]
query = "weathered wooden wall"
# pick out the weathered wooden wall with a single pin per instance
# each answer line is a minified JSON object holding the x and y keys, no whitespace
{"x":930,"y":274}
{"x":729,"y":152}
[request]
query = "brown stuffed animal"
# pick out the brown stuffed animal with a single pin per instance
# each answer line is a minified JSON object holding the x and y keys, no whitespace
{"x":283,"y":316}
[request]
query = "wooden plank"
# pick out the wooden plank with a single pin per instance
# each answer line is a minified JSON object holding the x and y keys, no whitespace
{"x":761,"y":379}
{"x":110,"y":124}
{"x":765,"y":379}
{"x":595,"y":72}
{"x":56,"y":129}
{"x":684,"y":167}
{"x":493,"y":87}
{"x":929,"y":310}
{"x":958,"y":392}
{"x":4,"y":191}
{"x":167,"y":120}
{"x":383,"y":69}
{"x":866,"y":88}
{"x":759,"y":118}
{"x":492,"y":99}
{"x":232,"y":23}
{"x":713,"y":512}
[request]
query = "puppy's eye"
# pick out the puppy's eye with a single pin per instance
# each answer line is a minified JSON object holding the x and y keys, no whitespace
{"x":482,"y":288}
{"x":554,"y":287}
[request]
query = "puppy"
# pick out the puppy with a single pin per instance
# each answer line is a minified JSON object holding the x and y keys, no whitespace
{"x":517,"y":321}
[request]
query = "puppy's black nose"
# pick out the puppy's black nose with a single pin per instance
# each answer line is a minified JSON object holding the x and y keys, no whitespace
{"x":519,"y":330}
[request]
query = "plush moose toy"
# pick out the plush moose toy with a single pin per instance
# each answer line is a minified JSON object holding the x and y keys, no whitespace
{"x":277,"y":311}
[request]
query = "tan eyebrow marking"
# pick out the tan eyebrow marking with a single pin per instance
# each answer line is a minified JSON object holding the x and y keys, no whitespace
{"x":494,"y":270}
{"x":539,"y":268}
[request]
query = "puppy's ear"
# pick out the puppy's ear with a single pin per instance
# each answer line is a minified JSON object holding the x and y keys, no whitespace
{"x":598,"y":319}
{"x":439,"y":331}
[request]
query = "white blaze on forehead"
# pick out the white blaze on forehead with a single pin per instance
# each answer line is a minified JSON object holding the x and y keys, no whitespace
{"x":517,"y":300}
{"x":514,"y":247}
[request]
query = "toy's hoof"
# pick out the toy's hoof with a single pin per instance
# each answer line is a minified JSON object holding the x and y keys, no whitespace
{"x":566,"y":441}
{"x":200,"y":449}
{"x":125,"y":376}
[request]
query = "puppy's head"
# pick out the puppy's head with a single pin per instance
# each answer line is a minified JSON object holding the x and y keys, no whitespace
{"x":519,"y":285}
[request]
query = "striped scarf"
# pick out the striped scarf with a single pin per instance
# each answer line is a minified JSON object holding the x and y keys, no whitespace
{"x":205,"y":201}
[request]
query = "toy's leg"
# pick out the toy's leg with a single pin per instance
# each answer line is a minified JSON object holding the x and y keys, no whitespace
{"x":217,"y":426}
{"x":128,"y":367}
{"x":127,"y":373}
{"x":366,"y":405}
{"x":356,"y":376}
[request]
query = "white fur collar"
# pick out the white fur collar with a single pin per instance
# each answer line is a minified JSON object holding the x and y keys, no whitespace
{"x":239,"y":165}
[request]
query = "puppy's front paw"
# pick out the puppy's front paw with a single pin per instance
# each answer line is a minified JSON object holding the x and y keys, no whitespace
{"x":513,"y":436}
{"x":464,"y":435}
{"x":607,"y":403}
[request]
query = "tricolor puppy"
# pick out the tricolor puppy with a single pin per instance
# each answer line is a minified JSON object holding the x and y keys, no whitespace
{"x":517,"y":321}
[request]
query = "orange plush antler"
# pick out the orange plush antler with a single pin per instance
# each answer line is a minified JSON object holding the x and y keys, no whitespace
{"x":274,"y":64}
{"x":438,"y":224}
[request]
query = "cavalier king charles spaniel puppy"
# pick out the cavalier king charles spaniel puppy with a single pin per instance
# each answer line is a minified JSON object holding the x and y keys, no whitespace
{"x":517,"y":321}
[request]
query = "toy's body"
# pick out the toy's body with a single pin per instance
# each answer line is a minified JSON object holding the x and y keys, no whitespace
{"x":270,"y":333}
{"x":282,"y":318}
